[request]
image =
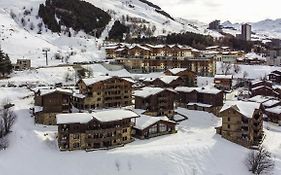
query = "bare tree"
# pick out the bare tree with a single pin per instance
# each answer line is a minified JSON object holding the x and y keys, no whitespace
{"x":260,"y":162}
{"x":236,"y":68}
{"x":226,"y":68}
{"x":8,"y":117}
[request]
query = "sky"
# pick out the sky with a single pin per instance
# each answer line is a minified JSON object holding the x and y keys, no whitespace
{"x":232,"y":10}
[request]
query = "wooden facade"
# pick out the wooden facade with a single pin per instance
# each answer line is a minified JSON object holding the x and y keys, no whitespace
{"x":156,"y":126}
{"x":203,"y":99}
{"x":108,"y":92}
{"x":223,"y":82}
{"x":242,"y":126}
{"x":160,"y":103}
{"x":275,"y":76}
{"x":189,"y":77}
{"x":94,"y":134}
{"x":51,"y":103}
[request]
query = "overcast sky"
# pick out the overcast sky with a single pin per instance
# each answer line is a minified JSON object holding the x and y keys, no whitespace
{"x":235,"y":10}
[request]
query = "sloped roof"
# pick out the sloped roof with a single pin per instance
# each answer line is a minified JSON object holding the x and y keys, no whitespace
{"x":71,"y":118}
{"x":223,"y":76}
{"x":91,"y":81}
{"x":114,"y":115}
{"x":145,"y":121}
{"x":247,"y":109}
{"x":168,"y":79}
{"x":177,"y":70}
{"x":102,"y":116}
{"x":148,"y":91}
{"x":50,"y":91}
{"x":206,"y":89}
{"x":275,"y":110}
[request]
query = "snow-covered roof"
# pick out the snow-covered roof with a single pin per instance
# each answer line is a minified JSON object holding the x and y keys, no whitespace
{"x":206,"y":89}
{"x":91,"y":81}
{"x":141,"y":47}
{"x":70,"y":118}
{"x":177,"y":70}
{"x":145,"y":121}
{"x":275,"y":110}
{"x":253,"y":55}
{"x":78,"y":95}
{"x":114,"y":115}
{"x":259,"y":87}
{"x":245,"y":108}
{"x":260,"y":99}
{"x":148,"y":91}
{"x":38,"y":109}
{"x":200,"y":104}
{"x":50,"y":91}
{"x":168,"y":79}
{"x":270,"y":103}
{"x":185,"y":89}
{"x":223,"y":76}
{"x":212,"y":47}
{"x":102,"y":116}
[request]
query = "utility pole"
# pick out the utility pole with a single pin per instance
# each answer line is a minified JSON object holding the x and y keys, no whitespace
{"x":45,"y":52}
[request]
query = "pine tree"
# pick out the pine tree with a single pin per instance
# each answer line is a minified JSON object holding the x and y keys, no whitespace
{"x":5,"y":64}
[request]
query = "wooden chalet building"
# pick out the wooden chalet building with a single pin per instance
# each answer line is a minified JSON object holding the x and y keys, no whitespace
{"x":263,"y":88}
{"x":48,"y":103}
{"x":92,"y":131}
{"x":189,"y":77}
{"x":199,"y":98}
{"x":165,"y":81}
{"x":147,"y":127}
{"x":274,"y":114}
{"x":103,"y":92}
{"x":242,"y":123}
{"x":223,"y":82}
{"x":275,"y":76}
{"x":156,"y":101}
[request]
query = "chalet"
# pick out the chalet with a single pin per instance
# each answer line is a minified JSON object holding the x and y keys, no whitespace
{"x":201,"y":98}
{"x":103,"y":129}
{"x":275,"y":76}
{"x":188,"y":76}
{"x":148,"y":126}
{"x":242,"y":123}
{"x":156,"y":101}
{"x":103,"y":92}
{"x":165,"y":81}
{"x":48,"y":103}
{"x":263,"y":88}
{"x":138,"y":51}
{"x":22,"y":64}
{"x":274,"y":114}
{"x":223,"y":82}
{"x":265,"y":101}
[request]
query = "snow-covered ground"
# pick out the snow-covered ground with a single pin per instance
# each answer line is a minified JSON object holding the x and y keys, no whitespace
{"x":194,"y":149}
{"x":253,"y":71}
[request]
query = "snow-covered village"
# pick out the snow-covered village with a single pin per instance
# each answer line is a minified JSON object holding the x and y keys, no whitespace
{"x":125,"y":87}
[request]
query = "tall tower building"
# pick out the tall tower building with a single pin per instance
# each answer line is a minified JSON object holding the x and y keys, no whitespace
{"x":246,"y":32}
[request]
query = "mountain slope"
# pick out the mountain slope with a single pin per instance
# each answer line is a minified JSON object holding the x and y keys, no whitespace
{"x":265,"y":29}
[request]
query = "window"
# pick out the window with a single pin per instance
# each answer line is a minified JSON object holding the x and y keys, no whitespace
{"x":75,"y":136}
{"x":125,"y":138}
{"x":76,"y":145}
{"x":124,"y":130}
{"x":228,"y":119}
{"x":228,"y":126}
{"x":153,"y":129}
{"x":162,"y":127}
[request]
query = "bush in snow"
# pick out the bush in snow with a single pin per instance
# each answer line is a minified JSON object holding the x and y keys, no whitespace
{"x":260,"y":162}
{"x":12,"y":14}
{"x":68,"y":77}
